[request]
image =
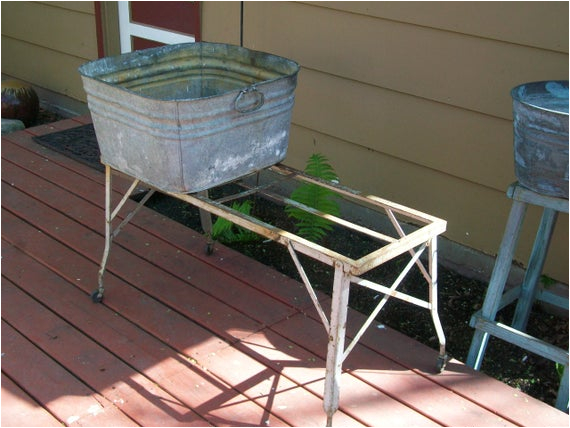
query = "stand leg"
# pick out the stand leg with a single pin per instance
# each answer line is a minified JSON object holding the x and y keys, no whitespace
{"x":335,"y":351}
{"x":110,"y":233}
{"x":497,"y":283}
{"x":206,"y":221}
{"x":534,"y":269}
{"x":97,"y":295}
{"x":442,"y":359}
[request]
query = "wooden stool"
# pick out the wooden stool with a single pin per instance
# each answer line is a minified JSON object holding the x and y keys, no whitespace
{"x":496,"y":298}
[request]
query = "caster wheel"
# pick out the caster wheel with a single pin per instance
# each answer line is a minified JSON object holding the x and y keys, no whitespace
{"x":210,"y":248}
{"x":441,"y":363}
{"x":97,"y":296}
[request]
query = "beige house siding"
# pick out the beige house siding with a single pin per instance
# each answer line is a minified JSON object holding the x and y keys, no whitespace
{"x":409,"y":100}
{"x":45,"y":42}
{"x":221,"y":22}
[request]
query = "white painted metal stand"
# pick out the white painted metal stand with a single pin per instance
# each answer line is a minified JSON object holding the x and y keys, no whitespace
{"x":496,"y":298}
{"x":347,"y":271}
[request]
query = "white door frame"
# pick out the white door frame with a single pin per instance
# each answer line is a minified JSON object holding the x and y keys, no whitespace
{"x":127,"y":29}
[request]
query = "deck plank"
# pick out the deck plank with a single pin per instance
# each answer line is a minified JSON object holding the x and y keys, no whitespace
{"x":19,"y":409}
{"x":160,"y":323}
{"x":491,"y":395}
{"x":58,"y":225}
{"x":128,"y":389}
{"x":191,"y":242}
{"x":148,"y":355}
{"x":221,"y":286}
{"x":62,"y":394}
{"x":19,"y":230}
{"x":395,"y":380}
{"x":165,"y":229}
{"x":24,"y":235}
{"x":360,"y":400}
{"x":181,"y":297}
{"x":175,"y":330}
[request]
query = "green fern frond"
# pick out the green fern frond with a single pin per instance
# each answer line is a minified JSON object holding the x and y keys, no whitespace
{"x":560,"y":370}
{"x":318,"y":166}
{"x":227,"y":232}
{"x":322,"y":199}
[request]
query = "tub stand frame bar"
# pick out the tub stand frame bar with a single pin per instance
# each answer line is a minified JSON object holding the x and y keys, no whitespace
{"x":347,"y":271}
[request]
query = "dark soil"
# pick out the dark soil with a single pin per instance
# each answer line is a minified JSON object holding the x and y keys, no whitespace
{"x":46,"y":116}
{"x":459,"y":298}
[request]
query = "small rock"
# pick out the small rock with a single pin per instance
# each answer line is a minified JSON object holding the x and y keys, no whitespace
{"x":12,"y":125}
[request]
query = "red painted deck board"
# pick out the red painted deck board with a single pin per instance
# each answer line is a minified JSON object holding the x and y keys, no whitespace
{"x":213,"y":282}
{"x":125,"y":388}
{"x":189,"y":339}
{"x":61,"y":393}
{"x":18,"y":408}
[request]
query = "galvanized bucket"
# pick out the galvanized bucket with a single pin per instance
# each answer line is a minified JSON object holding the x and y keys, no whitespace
{"x":540,"y":112}
{"x":189,"y":117}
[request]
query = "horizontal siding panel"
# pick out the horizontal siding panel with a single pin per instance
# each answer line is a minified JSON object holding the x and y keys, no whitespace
{"x":58,"y":71}
{"x":61,"y":30}
{"x":456,"y":69}
{"x":77,"y":6}
{"x":512,"y":21}
{"x":461,"y":143}
{"x":476,"y":215}
{"x":220,"y":21}
{"x":414,"y":110}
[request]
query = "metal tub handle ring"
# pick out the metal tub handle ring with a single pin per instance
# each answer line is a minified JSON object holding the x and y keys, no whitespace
{"x":244,"y":104}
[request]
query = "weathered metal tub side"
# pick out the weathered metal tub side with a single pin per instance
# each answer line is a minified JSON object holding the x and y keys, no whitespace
{"x":188,"y":117}
{"x":540,"y":113}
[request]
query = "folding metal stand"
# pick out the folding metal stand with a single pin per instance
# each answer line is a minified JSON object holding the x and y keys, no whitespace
{"x":347,"y":271}
{"x":496,"y":299}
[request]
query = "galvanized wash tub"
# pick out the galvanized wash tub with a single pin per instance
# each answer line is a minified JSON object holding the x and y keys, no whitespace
{"x":540,"y":112}
{"x":188,"y":117}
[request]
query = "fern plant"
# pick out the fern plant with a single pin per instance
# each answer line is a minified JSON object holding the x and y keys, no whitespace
{"x":308,"y":225}
{"x":227,"y":232}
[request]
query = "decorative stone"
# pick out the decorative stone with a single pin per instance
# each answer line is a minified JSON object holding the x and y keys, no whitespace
{"x":11,"y":125}
{"x":19,"y":101}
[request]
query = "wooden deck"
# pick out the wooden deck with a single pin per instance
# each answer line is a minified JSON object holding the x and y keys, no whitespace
{"x":186,"y":339}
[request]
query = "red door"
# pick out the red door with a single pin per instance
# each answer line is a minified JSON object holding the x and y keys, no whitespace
{"x":144,"y":24}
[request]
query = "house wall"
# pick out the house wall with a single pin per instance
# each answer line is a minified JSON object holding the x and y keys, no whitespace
{"x":409,"y":100}
{"x":45,"y":42}
{"x":221,"y":22}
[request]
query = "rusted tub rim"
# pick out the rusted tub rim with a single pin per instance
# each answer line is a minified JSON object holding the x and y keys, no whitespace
{"x":83,"y":69}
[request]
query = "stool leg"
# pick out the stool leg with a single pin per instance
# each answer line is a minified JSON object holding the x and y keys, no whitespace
{"x":497,"y":283}
{"x":534,"y":269}
{"x":562,"y":398}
